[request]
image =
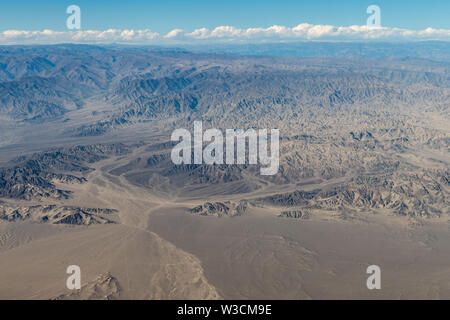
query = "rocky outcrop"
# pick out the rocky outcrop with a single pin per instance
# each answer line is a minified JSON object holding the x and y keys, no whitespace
{"x":296,"y":214}
{"x":421,"y":194}
{"x":221,"y":209}
{"x":33,"y":177}
{"x":104,"y":287}
{"x":57,"y":214}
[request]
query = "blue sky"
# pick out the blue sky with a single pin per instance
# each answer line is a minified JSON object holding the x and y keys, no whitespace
{"x":166,"y":15}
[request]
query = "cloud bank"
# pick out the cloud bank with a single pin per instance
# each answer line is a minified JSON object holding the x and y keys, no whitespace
{"x":227,"y":34}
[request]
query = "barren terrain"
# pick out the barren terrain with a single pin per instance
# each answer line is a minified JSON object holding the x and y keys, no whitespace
{"x":86,"y":176}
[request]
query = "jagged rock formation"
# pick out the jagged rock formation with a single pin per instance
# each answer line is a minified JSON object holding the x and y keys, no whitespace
{"x":56,"y":214}
{"x":423,"y":194}
{"x":104,"y":287}
{"x":221,"y":209}
{"x":290,"y":199}
{"x":33,"y":177}
{"x":296,"y":214}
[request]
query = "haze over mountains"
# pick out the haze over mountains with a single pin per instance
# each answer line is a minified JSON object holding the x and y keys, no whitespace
{"x":364,"y":171}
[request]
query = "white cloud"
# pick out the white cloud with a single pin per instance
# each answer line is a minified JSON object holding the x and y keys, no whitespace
{"x":303,"y":31}
{"x":174,"y":34}
{"x":202,"y":33}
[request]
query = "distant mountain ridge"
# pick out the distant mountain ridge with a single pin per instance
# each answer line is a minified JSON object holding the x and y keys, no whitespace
{"x":46,"y":82}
